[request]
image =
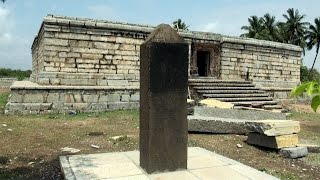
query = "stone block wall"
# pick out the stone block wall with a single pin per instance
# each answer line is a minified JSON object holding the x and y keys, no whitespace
{"x":84,"y":52}
{"x":31,"y":99}
{"x":261,"y":64}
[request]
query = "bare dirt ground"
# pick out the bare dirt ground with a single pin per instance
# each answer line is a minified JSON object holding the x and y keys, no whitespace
{"x":30,"y":145}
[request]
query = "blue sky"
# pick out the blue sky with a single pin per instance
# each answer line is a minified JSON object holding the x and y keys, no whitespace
{"x":20,"y":19}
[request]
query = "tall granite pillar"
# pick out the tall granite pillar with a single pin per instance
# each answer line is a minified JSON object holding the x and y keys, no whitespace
{"x":163,"y":101}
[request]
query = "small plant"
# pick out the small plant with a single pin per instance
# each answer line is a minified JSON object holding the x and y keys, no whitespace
{"x":312,"y":89}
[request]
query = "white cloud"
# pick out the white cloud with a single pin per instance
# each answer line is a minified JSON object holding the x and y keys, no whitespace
{"x":209,"y":27}
{"x":5,"y":24}
{"x":14,"y":50}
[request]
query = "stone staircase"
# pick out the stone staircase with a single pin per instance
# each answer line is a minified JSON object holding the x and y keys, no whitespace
{"x":238,"y":92}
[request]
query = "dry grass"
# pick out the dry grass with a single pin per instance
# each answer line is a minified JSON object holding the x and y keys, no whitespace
{"x":36,"y":139}
{"x":32,"y":148}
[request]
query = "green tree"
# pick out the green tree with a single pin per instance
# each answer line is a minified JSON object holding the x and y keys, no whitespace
{"x":295,"y":27}
{"x":180,"y":25}
{"x":270,"y":24}
{"x":255,"y":29}
{"x":313,"y":37}
{"x":309,"y":74}
{"x":282,"y":35}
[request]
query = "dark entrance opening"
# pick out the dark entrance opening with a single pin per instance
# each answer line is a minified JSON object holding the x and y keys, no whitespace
{"x":203,"y":62}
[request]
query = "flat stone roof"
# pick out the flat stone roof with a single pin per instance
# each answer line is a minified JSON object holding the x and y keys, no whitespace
{"x":142,"y":28}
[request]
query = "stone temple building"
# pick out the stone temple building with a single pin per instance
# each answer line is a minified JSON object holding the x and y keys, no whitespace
{"x":93,"y":65}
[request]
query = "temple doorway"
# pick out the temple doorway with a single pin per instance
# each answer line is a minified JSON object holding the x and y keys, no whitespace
{"x":203,"y":63}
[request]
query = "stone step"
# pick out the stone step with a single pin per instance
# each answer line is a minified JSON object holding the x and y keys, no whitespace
{"x":249,"y":103}
{"x":244,"y":99}
{"x":269,"y":107}
{"x":218,"y":81}
{"x":235,"y":95}
{"x":205,"y":84}
{"x":230,"y":91}
{"x":225,"y":88}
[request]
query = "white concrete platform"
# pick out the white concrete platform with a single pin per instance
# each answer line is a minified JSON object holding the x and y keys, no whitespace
{"x":202,"y":164}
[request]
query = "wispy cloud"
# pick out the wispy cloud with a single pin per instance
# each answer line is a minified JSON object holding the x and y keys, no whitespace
{"x":13,"y":51}
{"x":209,"y":27}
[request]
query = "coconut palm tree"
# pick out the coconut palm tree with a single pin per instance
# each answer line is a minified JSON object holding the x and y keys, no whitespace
{"x":282,"y":35}
{"x":295,"y":27}
{"x":255,"y":29}
{"x":270,"y":24}
{"x":179,"y":24}
{"x":313,"y":38}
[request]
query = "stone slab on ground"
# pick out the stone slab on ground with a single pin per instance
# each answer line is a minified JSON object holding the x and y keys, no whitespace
{"x":237,"y":113}
{"x":202,"y":164}
{"x":275,"y":142}
{"x":274,"y":127}
{"x":294,"y":152}
{"x":217,"y":125}
{"x":210,"y":102}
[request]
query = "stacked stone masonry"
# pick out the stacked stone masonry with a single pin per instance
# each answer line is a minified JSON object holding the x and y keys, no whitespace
{"x":29,"y":98}
{"x":75,"y":54}
{"x":78,"y":52}
{"x":259,"y":63}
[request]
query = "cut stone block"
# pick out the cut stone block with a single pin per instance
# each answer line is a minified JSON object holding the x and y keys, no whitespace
{"x":294,"y":152}
{"x":275,"y":142}
{"x":217,"y":125}
{"x":237,"y":114}
{"x":216,"y":104}
{"x":274,"y":127}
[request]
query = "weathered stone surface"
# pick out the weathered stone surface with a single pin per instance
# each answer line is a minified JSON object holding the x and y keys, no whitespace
{"x":163,"y":106}
{"x":216,"y":104}
{"x":113,"y":98}
{"x":294,"y":152}
{"x":61,"y":99}
{"x":216,"y":125}
{"x":237,"y":114}
{"x":276,"y":142}
{"x":274,"y":127}
{"x":135,"y":97}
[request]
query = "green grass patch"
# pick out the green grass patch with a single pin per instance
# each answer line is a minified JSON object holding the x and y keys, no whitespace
{"x":313,"y":159}
{"x":119,"y":114}
{"x":304,"y":116}
{"x":3,"y":100}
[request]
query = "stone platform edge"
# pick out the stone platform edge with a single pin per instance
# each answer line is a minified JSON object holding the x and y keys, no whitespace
{"x":28,"y":85}
{"x":196,"y":155}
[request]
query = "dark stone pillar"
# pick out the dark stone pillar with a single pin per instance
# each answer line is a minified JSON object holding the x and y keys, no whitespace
{"x":163,"y":101}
